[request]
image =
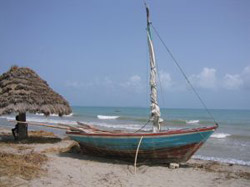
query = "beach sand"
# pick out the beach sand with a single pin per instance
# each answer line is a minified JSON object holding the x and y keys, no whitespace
{"x":65,"y":166}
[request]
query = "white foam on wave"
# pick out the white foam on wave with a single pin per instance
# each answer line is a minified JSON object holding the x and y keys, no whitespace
{"x":43,"y":119}
{"x":107,"y":117}
{"x":8,"y":117}
{"x":116,"y":126}
{"x":192,"y":121}
{"x":55,"y":115}
{"x":220,"y":135}
{"x":120,"y":126}
{"x":39,"y":114}
{"x":49,"y":120}
{"x":223,"y":160}
{"x":56,"y":120}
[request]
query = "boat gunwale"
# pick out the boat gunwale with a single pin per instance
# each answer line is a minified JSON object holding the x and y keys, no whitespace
{"x":169,"y":132}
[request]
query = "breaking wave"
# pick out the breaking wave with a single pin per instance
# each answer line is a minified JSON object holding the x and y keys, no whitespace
{"x":107,"y":117}
{"x":220,"y":135}
{"x":43,"y":120}
{"x":55,"y":115}
{"x":121,"y":126}
{"x":192,"y":121}
{"x":49,"y":120}
{"x":223,"y":160}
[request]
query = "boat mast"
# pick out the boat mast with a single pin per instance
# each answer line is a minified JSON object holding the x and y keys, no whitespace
{"x":155,"y":109}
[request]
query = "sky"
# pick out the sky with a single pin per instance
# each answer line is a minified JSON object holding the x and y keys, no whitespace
{"x":95,"y":53}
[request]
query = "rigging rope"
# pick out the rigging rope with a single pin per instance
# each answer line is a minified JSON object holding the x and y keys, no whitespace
{"x":184,"y":75}
{"x":142,"y":126}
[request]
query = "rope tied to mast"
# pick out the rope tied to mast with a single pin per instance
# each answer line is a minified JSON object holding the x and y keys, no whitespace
{"x":184,"y":75}
{"x":149,"y":24}
{"x":154,"y":106}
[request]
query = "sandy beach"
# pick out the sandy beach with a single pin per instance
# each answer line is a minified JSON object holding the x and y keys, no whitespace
{"x":66,"y":166}
{"x":148,"y":81}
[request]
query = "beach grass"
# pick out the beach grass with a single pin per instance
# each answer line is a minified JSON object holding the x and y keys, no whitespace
{"x":19,"y":161}
{"x":26,"y":166}
{"x":41,"y":133}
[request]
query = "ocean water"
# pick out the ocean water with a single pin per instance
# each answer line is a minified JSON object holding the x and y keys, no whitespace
{"x":229,"y":144}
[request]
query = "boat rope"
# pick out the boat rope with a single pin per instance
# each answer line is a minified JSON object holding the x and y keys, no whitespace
{"x":137,"y":150}
{"x":184,"y":75}
{"x":143,"y":126}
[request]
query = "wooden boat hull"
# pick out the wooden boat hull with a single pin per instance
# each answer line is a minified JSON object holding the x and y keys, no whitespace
{"x":168,"y":146}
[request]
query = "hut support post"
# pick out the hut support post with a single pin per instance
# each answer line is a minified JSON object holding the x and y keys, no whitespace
{"x":22,"y":128}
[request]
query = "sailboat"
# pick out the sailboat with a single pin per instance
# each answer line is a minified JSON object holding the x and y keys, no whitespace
{"x":168,"y":146}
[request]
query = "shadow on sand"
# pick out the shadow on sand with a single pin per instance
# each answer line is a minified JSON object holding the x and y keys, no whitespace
{"x":7,"y":138}
{"x":76,"y":153}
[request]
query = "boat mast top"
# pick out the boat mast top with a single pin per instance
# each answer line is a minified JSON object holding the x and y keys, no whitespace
{"x":155,"y":109}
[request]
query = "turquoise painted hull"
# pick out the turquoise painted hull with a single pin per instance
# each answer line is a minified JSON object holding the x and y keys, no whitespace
{"x":168,"y":146}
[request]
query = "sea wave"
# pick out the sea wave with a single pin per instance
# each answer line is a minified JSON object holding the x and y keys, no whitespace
{"x":192,"y":121}
{"x":43,"y":120}
{"x":177,"y":121}
{"x":128,"y":127}
{"x":220,"y":135}
{"x":58,"y":120}
{"x":8,"y":117}
{"x":131,"y":118}
{"x":223,"y":160}
{"x":107,"y":117}
{"x":55,"y":115}
{"x":50,"y":120}
{"x":120,"y":126}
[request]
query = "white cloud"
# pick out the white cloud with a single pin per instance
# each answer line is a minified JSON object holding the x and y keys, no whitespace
{"x":232,"y":82}
{"x":205,"y":79}
{"x":71,"y":84}
{"x":107,"y":83}
{"x":246,"y":77}
{"x":134,"y":83}
{"x":75,"y":84}
{"x":165,"y":80}
{"x":237,"y":81}
{"x":136,"y":79}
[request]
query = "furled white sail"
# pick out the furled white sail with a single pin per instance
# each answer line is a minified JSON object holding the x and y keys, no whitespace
{"x":155,"y":109}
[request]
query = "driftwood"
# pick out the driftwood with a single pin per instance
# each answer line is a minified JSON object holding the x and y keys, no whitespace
{"x":41,"y":124}
{"x":82,"y":127}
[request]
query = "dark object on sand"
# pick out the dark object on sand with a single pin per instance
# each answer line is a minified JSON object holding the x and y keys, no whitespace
{"x":15,"y":130}
{"x":22,"y":90}
{"x":21,"y":128}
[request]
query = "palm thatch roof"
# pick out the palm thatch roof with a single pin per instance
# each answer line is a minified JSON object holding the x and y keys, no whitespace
{"x":22,"y":90}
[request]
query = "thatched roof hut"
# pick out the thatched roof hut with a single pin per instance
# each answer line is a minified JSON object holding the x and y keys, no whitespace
{"x":22,"y":90}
